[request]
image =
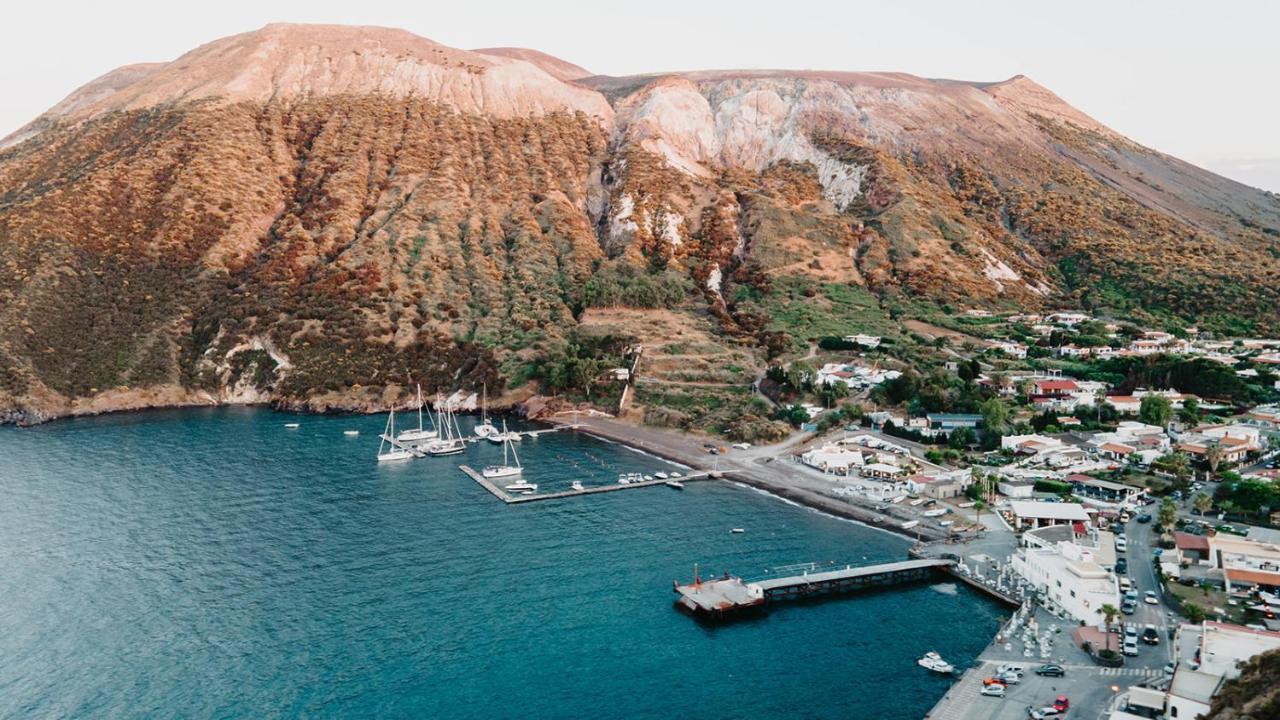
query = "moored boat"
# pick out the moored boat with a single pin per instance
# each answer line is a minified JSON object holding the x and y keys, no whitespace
{"x":932,"y":661}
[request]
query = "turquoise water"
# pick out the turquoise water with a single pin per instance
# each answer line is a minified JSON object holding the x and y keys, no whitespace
{"x":211,"y":563}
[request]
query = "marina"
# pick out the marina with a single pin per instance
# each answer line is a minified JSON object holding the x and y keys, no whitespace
{"x":577,"y":490}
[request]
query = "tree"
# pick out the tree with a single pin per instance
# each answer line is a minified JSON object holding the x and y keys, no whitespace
{"x":1155,"y":410}
{"x":1213,"y":456}
{"x":1168,"y":515}
{"x":1203,"y":502}
{"x":1194,"y":613}
{"x":1109,"y":612}
{"x":1190,"y":412}
{"x":995,"y":414}
{"x":961,"y":438}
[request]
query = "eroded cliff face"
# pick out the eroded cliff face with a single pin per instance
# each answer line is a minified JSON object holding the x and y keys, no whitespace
{"x":315,"y":215}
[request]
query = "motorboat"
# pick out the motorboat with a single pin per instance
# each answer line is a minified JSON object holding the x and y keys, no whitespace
{"x":421,"y":433}
{"x":737,"y":531}
{"x":521,"y":486}
{"x":351,"y":433}
{"x":648,"y":478}
{"x":675,"y":474}
{"x":675,"y":484}
{"x":389,"y":450}
{"x":292,"y":426}
{"x":577,"y":485}
{"x":624,"y":480}
{"x":661,"y":475}
{"x":506,"y":469}
{"x":933,"y":662}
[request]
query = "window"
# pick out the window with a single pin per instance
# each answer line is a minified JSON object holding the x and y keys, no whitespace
{"x":1173,"y":711}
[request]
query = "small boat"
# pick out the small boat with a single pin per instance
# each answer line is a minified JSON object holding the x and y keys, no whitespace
{"x":388,"y":450}
{"x":291,"y":426}
{"x":675,"y":474}
{"x":675,"y":484}
{"x":351,"y":433}
{"x":661,"y":475}
{"x":648,"y":478}
{"x":527,"y":492}
{"x":624,"y":480}
{"x":576,"y":485}
{"x":933,"y":661}
{"x":520,"y":486}
{"x":737,"y":531}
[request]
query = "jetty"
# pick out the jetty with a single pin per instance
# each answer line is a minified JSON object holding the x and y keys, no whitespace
{"x":510,"y":499}
{"x":729,"y":595}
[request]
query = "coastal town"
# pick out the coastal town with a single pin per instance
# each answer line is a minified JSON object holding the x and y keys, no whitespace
{"x":1130,"y":510}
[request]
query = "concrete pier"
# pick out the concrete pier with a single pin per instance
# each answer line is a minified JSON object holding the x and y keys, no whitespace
{"x":510,"y":499}
{"x":727,"y":594}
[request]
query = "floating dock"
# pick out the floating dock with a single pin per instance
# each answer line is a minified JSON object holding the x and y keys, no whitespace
{"x":510,"y":499}
{"x":728,"y":595}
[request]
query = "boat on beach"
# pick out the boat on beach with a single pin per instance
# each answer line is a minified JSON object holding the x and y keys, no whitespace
{"x":933,"y":662}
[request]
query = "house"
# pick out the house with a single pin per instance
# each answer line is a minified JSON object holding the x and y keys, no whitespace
{"x":1124,"y":404}
{"x":1054,"y":387}
{"x":1245,"y":563}
{"x":1030,"y":444}
{"x":949,"y":422}
{"x":1246,"y":436}
{"x":1010,"y":348}
{"x":1068,"y":319}
{"x":1087,"y":486}
{"x":883,"y":471}
{"x":1206,"y":656}
{"x":833,"y":459}
{"x":1030,"y":514}
{"x":1012,"y":488}
{"x":866,"y":341}
{"x":938,"y":487}
{"x":1068,"y":576}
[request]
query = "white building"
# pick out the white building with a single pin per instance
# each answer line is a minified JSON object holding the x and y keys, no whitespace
{"x":1030,"y":514}
{"x":1207,"y":656}
{"x":1070,"y":579}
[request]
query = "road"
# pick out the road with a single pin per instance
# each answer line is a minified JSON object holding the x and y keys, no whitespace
{"x":1141,"y":540}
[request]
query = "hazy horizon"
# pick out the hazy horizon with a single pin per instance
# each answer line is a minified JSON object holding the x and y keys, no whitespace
{"x":1179,"y":77}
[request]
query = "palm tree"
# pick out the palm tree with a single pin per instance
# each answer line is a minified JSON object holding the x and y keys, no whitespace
{"x":1203,"y":503}
{"x":1109,"y":612}
{"x":1168,"y":515}
{"x":1213,"y":456}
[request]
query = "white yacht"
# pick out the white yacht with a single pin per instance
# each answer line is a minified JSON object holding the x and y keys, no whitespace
{"x":933,"y":661}
{"x":450,"y":441}
{"x":524,"y":487}
{"x":485,"y":428}
{"x":420,"y":434}
{"x":577,"y":485}
{"x":388,"y":450}
{"x":661,"y":475}
{"x":506,"y":469}
{"x":292,"y":426}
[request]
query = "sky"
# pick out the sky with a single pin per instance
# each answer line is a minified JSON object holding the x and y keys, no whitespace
{"x":1193,"y":79}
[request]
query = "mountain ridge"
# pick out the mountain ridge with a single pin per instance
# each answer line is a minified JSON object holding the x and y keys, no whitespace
{"x":369,"y":206}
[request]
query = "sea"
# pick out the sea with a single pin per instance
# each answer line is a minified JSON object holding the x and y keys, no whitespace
{"x":214,"y":563}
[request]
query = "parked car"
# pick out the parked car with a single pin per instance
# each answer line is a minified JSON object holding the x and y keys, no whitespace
{"x":1150,"y":635}
{"x":1061,"y":703}
{"x":1011,"y":678}
{"x":1006,"y":668}
{"x":1130,"y":633}
{"x":1121,"y":544}
{"x":994,"y":681}
{"x":1144,"y":518}
{"x":993,"y":690}
{"x":1151,"y":598}
{"x":1131,"y":594}
{"x":1051,"y":671}
{"x":1122,"y":566}
{"x":1042,"y":713}
{"x":1125,"y":585}
{"x":1128,"y":607}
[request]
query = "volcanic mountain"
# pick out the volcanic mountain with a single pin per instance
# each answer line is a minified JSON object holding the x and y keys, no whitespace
{"x":314,"y":214}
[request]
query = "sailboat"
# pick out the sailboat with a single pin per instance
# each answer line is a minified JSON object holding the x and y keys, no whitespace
{"x":421,"y":433}
{"x":388,"y":450}
{"x":450,"y":441}
{"x":506,"y":469}
{"x":485,"y":428}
